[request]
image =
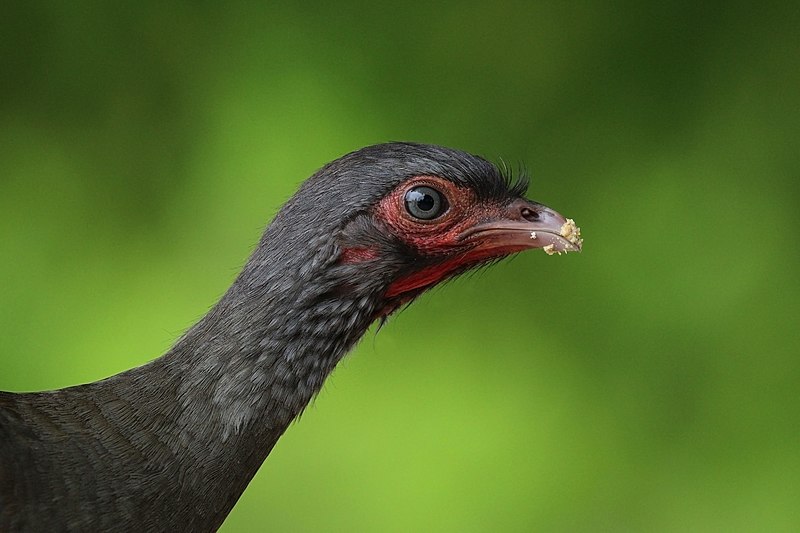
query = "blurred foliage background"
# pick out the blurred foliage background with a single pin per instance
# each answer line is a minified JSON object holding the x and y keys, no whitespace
{"x":648,"y":384}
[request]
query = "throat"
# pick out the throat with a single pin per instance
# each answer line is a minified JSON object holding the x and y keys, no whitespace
{"x":428,"y":276}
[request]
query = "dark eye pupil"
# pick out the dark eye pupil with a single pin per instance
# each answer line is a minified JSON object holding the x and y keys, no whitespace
{"x":424,"y":203}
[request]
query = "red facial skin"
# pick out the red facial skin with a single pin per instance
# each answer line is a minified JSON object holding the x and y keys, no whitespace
{"x":431,"y":238}
{"x":358,"y":255}
{"x":468,"y":232}
{"x":439,"y":236}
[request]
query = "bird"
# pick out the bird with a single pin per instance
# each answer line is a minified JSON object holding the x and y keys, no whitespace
{"x":172,"y":444}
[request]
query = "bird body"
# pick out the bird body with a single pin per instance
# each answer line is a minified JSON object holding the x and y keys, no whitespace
{"x":171,"y":445}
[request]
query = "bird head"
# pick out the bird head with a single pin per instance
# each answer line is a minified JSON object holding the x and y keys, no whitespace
{"x":389,"y":221}
{"x":363,"y":236}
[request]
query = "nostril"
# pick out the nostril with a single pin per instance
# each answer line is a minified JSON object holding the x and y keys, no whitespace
{"x":529,"y":214}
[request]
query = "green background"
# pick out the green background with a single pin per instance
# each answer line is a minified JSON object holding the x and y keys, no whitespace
{"x":647,"y":384}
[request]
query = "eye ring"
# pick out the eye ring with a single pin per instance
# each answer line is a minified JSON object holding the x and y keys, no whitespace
{"x":425,"y":203}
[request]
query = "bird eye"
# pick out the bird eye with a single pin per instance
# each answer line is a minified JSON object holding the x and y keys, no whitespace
{"x":425,"y":203}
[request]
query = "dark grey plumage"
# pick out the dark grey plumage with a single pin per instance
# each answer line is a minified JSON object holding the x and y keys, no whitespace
{"x":171,"y":445}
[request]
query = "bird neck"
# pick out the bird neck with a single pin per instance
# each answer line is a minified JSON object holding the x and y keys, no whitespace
{"x":253,"y":363}
{"x":256,"y":360}
{"x":227,"y":390}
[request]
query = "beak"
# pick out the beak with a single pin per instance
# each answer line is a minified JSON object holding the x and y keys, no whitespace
{"x":523,"y":225}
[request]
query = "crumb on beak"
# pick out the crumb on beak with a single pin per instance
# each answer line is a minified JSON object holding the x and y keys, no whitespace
{"x":571,"y":232}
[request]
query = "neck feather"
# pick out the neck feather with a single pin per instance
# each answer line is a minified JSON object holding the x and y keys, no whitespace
{"x":262,"y":354}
